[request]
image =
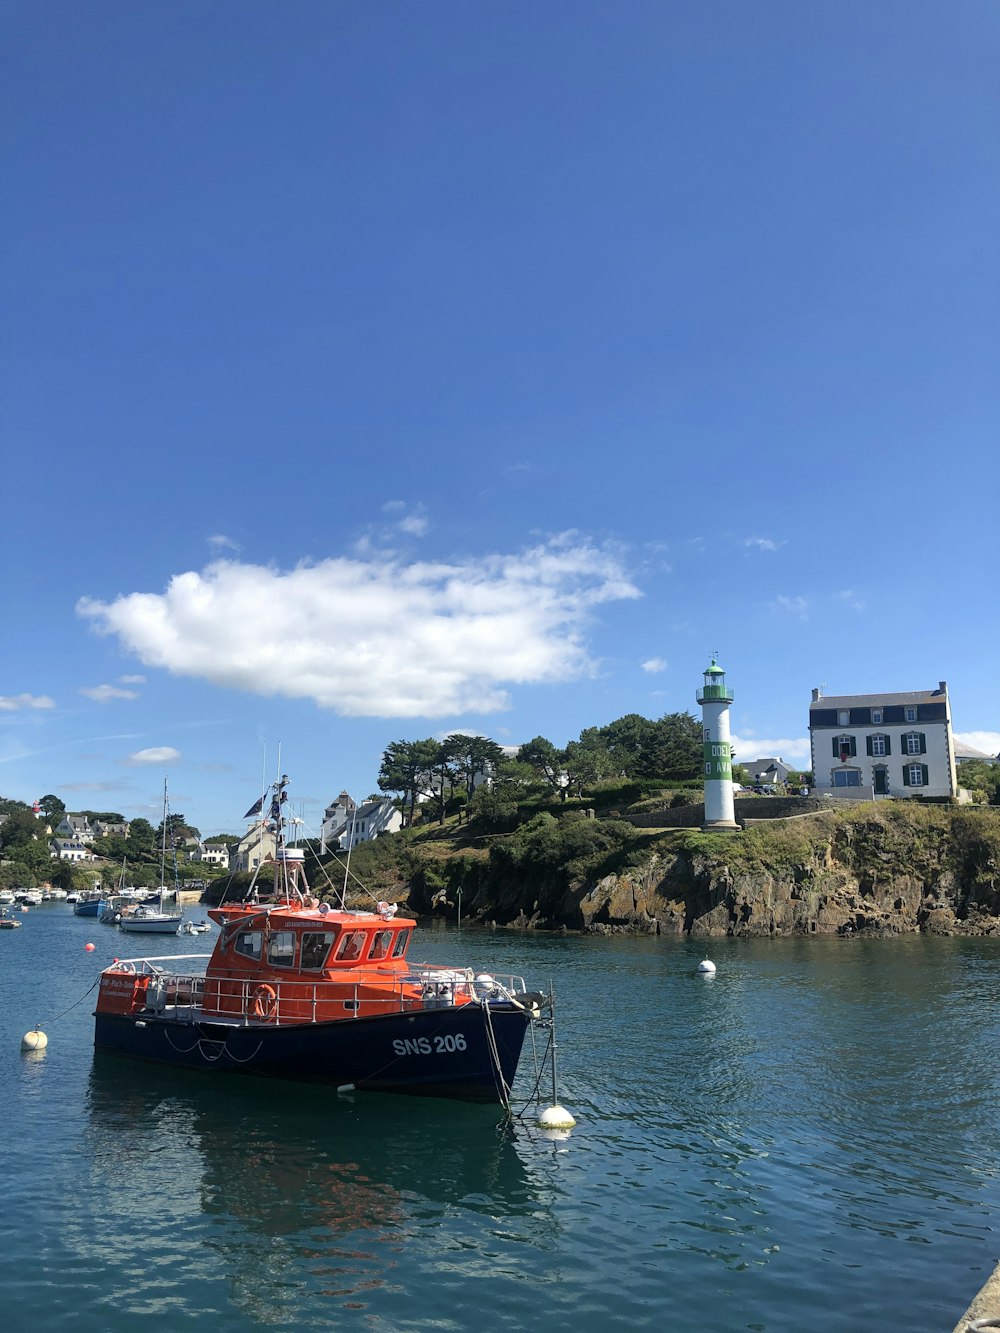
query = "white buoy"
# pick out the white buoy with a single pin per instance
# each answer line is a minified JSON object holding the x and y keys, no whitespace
{"x":555,"y":1117}
{"x":706,"y":967}
{"x":36,"y":1040}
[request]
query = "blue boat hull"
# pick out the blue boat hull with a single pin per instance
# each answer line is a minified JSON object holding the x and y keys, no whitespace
{"x":438,"y":1052}
{"x":87,"y":909}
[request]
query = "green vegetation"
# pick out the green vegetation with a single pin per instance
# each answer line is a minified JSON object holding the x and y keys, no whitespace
{"x":981,"y":781}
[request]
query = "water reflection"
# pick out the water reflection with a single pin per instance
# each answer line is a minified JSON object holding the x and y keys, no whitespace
{"x":290,"y":1190}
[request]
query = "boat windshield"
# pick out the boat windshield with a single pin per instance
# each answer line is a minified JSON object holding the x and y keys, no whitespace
{"x":248,"y":943}
{"x":281,"y":948}
{"x":315,"y":947}
{"x":380,"y":944}
{"x":351,"y":946}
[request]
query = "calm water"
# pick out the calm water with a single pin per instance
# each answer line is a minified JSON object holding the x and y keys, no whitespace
{"x":809,"y":1140}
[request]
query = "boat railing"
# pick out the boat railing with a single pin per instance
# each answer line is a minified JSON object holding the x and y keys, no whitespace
{"x":298,"y":999}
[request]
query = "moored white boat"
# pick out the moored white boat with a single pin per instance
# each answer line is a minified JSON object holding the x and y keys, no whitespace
{"x":149,"y":920}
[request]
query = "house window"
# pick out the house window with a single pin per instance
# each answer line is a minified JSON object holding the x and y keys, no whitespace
{"x":876,"y":717}
{"x":878,"y":746}
{"x":843,"y":718}
{"x":913,"y":742}
{"x":915,"y":775}
{"x":847,"y":777}
{"x":844,"y":747}
{"x":911,"y":713}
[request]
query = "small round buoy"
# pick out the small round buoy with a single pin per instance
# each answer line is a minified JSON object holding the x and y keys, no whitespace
{"x":36,"y":1040}
{"x":555,"y":1117}
{"x":89,"y":948}
{"x":706,"y":967}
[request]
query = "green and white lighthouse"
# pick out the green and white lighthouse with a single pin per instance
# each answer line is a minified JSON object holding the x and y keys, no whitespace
{"x":715,"y":696}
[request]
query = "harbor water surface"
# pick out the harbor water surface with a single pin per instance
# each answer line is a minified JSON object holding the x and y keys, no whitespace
{"x":807,"y":1140}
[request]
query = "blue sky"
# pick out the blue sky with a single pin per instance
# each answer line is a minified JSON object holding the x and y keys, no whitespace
{"x":376,"y":370}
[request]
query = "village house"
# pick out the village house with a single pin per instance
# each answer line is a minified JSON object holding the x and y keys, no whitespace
{"x":255,"y":847}
{"x":345,"y":823}
{"x":104,"y":828}
{"x":766,"y":772}
{"x":211,"y":854}
{"x":75,"y":828}
{"x":877,"y":745}
{"x":70,"y":849}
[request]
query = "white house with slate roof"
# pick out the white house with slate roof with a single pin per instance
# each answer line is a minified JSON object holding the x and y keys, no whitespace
{"x":876,"y":745}
{"x":345,"y":823}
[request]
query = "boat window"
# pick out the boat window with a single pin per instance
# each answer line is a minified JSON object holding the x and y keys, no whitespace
{"x":399,"y":948}
{"x":315,"y":947}
{"x":351,"y":945}
{"x":380,"y":944}
{"x":248,"y":942}
{"x":281,"y":948}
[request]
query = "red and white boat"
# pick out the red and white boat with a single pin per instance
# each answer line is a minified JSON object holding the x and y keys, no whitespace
{"x":298,"y":989}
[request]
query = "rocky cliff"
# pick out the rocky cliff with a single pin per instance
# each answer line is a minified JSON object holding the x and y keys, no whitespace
{"x":876,"y":869}
{"x":871,"y":870}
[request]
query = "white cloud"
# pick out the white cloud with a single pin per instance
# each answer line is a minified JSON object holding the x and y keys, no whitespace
{"x":987,"y":741}
{"x":157,"y":754}
{"x":792,"y":606}
{"x":796,"y":748}
{"x":220,"y":542}
{"x":415,"y":525}
{"x":132,"y":680}
{"x":654,"y":664}
{"x":852,"y":599}
{"x":393,"y":506}
{"x":90,"y":786}
{"x":762,"y":543}
{"x":103,"y":693}
{"x":374,"y":637}
{"x":13,"y":703}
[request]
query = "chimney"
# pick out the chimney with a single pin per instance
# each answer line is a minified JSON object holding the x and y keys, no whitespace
{"x":942,"y":687}
{"x":817,"y":694}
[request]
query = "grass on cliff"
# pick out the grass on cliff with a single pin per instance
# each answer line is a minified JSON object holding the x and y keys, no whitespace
{"x":555,"y":842}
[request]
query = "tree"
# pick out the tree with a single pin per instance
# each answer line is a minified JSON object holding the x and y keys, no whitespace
{"x":492,"y":808}
{"x":587,"y":760}
{"x":476,"y":757}
{"x":445,"y":772}
{"x":52,"y":808}
{"x":674,"y":748}
{"x":19,"y":829}
{"x":975,"y":775}
{"x":142,"y":844}
{"x":546,"y":760}
{"x":626,"y":740}
{"x":406,"y":766}
{"x":178,"y":831}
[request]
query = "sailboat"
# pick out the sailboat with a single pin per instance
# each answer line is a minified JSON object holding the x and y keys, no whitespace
{"x":164,"y":919}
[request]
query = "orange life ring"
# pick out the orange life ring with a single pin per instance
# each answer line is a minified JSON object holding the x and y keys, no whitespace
{"x":265,"y":1002}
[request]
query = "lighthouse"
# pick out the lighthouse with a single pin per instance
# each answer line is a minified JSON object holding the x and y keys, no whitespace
{"x":715,"y":696}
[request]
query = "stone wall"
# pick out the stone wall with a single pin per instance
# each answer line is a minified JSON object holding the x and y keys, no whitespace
{"x":746,"y":807}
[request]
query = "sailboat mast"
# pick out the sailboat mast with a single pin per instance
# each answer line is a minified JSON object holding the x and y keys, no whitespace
{"x":163,"y":841}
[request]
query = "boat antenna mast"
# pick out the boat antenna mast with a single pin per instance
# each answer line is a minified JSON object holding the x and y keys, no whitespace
{"x":288,"y":867}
